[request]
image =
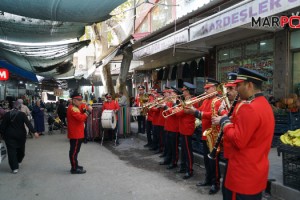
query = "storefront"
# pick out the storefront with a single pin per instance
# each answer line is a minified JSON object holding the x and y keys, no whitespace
{"x":295,"y":56}
{"x":256,"y":53}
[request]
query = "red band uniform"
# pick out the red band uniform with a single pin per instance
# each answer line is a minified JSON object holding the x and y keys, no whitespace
{"x":76,"y":120}
{"x":212,"y":167}
{"x":186,"y":130}
{"x":251,"y":135}
{"x":111,"y":105}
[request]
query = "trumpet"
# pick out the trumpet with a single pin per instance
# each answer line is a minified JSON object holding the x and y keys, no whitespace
{"x":188,"y":103}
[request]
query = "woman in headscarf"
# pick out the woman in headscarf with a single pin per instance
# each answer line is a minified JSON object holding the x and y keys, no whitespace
{"x":38,"y":116}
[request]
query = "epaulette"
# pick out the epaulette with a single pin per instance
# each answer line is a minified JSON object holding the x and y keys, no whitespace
{"x":75,"y":109}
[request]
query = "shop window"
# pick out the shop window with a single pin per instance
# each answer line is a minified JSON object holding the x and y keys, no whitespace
{"x":224,"y":54}
{"x":295,"y":40}
{"x":296,"y":72}
{"x":256,"y":55}
{"x":266,"y":46}
{"x":251,"y":49}
{"x":235,"y":52}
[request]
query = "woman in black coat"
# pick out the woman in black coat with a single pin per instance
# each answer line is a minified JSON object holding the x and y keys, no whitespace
{"x":13,"y":132}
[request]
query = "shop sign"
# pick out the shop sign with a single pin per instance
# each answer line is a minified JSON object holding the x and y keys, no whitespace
{"x":4,"y":74}
{"x":167,"y":42}
{"x":238,"y":15}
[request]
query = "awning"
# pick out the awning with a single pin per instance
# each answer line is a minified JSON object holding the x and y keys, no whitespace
{"x":176,"y":38}
{"x":18,"y":71}
{"x":102,"y":63}
{"x":87,"y":11}
{"x":23,"y":29}
{"x":44,"y":60}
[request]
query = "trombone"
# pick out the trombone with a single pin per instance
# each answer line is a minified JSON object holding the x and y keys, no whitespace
{"x":184,"y":104}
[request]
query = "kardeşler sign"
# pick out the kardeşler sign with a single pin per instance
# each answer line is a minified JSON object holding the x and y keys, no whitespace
{"x":4,"y":74}
{"x":238,"y":15}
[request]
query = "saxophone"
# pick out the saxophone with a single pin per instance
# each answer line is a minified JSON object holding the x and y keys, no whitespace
{"x":212,"y":133}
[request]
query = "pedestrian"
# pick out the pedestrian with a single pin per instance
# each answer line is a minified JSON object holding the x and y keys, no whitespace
{"x":13,"y":132}
{"x":38,"y":117}
{"x":62,"y":111}
{"x":76,"y":120}
{"x":122,"y":100}
{"x":25,"y":110}
{"x":250,"y":136}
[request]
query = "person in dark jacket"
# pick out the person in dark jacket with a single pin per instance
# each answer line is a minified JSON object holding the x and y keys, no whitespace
{"x":62,"y":111}
{"x":13,"y":132}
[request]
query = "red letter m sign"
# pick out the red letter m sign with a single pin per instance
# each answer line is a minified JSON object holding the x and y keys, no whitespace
{"x":4,"y":74}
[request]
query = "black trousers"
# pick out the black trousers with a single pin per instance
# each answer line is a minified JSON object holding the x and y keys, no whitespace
{"x":212,"y":167}
{"x":141,"y":124}
{"x":229,"y":195}
{"x":15,"y":152}
{"x":156,"y":130}
{"x":75,"y":145}
{"x":187,"y":150}
{"x":149,"y":131}
{"x":173,"y":151}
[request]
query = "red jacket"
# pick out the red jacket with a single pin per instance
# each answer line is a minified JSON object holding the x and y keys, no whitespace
{"x":112,"y":105}
{"x":251,"y":137}
{"x":76,"y":121}
{"x":172,"y":122}
{"x":227,"y":147}
{"x":155,"y":116}
{"x":158,"y":119}
{"x":150,"y":113}
{"x":206,"y":109}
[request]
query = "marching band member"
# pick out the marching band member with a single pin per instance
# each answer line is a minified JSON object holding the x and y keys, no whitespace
{"x":250,"y":135}
{"x":110,"y":104}
{"x":163,"y":137}
{"x":172,"y":128}
{"x":76,"y":121}
{"x":204,"y":112}
{"x":186,"y":130}
{"x":139,"y":100}
{"x":149,"y":120}
{"x":156,"y":125}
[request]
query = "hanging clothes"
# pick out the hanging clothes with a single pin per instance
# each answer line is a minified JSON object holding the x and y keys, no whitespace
{"x":200,"y":68}
{"x":160,"y":74}
{"x":193,"y":68}
{"x":186,"y":72}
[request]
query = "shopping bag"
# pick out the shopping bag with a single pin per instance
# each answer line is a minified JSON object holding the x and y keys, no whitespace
{"x":3,"y":151}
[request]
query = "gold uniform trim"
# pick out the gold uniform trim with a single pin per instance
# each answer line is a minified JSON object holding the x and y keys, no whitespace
{"x":75,"y":109}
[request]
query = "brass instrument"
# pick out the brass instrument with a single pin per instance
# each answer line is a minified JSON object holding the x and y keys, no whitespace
{"x":143,"y":99}
{"x":213,"y":132}
{"x":187,"y":103}
{"x":213,"y":153}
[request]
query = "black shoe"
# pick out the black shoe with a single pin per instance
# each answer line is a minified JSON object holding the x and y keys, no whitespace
{"x":187,"y":175}
{"x":147,"y":145}
{"x":80,"y":167}
{"x":164,"y":163}
{"x":162,"y":155}
{"x":181,"y":171}
{"x":153,"y":149}
{"x":213,"y":189}
{"x":157,"y":152}
{"x":78,"y":171}
{"x":172,"y":166}
{"x":201,"y":184}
